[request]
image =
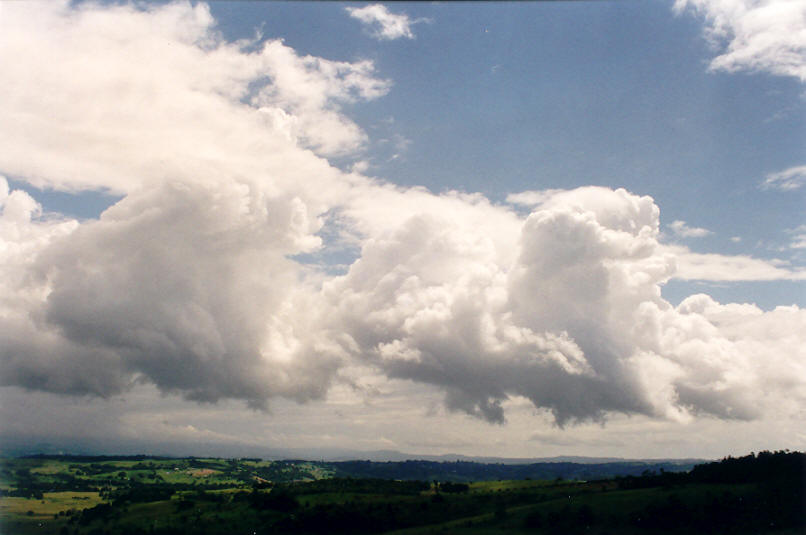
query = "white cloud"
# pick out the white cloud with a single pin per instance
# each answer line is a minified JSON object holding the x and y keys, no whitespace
{"x":531,"y":198}
{"x":786,"y":180}
{"x":746,"y":354}
{"x":570,"y":316}
{"x":117,"y":127}
{"x":798,"y":237}
{"x":682,"y":230}
{"x":755,"y":35}
{"x":384,"y":24}
{"x":185,"y":282}
{"x":191,"y":282}
{"x":725,"y":268}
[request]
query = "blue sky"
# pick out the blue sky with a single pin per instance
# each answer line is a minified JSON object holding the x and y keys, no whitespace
{"x":532,"y":215}
{"x":505,"y":98}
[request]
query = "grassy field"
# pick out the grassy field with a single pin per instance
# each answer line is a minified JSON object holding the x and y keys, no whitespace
{"x":27,"y":515}
{"x":505,"y":485}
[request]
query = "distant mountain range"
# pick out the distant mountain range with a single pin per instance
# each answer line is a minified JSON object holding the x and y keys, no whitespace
{"x":392,"y":455}
{"x":16,"y":448}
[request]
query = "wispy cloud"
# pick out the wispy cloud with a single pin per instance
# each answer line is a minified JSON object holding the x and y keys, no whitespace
{"x":382,"y":23}
{"x":531,"y":198}
{"x":798,"y":238}
{"x":682,"y":230}
{"x":729,"y":268}
{"x":768,"y":36}
{"x":786,"y":180}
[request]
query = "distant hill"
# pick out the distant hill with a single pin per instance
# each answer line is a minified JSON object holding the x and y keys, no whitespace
{"x":392,"y":455}
{"x":466,"y":471}
{"x":10,"y":449}
{"x":416,"y":470}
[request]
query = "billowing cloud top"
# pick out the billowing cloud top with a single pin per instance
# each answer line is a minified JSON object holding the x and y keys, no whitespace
{"x":191,"y":282}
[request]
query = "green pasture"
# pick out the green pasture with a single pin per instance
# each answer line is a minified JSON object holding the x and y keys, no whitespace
{"x":24,"y":515}
{"x":51,"y":504}
{"x":503,"y":485}
{"x":50,"y":467}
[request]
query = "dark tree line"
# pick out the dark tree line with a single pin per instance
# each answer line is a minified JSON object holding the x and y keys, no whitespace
{"x":778,"y":468}
{"x":774,"y":500}
{"x":359,"y":486}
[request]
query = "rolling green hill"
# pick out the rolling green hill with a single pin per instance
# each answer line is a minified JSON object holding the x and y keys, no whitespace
{"x":125,"y":495}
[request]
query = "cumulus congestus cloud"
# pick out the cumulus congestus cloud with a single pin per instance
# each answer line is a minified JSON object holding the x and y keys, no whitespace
{"x":192,"y":281}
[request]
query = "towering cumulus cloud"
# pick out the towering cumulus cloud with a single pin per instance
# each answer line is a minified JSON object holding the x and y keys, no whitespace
{"x":563,"y":308}
{"x":193,"y":280}
{"x":186,"y":281}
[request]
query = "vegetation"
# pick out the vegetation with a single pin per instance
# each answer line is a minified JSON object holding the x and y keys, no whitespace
{"x":125,"y":495}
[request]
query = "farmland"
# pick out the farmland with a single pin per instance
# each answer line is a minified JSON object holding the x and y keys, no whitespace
{"x":127,"y":495}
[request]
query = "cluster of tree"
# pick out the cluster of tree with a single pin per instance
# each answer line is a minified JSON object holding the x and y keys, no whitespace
{"x":467,"y":471}
{"x":766,"y":466}
{"x":30,"y":485}
{"x":450,"y":487}
{"x":142,"y":494}
{"x":356,"y":486}
{"x":781,"y":468}
{"x":102,"y":511}
{"x":276,"y":500}
{"x":95,"y":469}
{"x":22,"y":492}
{"x":190,"y":501}
{"x":284,"y":471}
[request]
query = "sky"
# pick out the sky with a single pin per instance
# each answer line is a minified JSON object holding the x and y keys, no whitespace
{"x":492,"y":229}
